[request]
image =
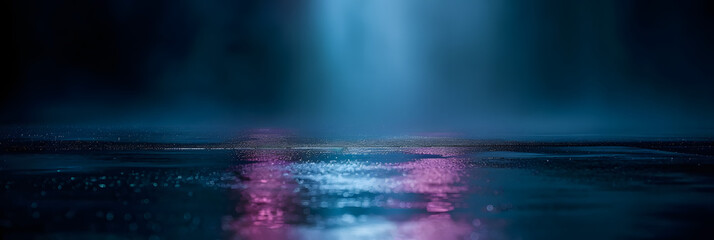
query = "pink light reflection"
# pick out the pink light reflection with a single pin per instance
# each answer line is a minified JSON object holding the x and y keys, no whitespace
{"x":268,"y":193}
{"x":270,"y":208}
{"x":438,"y":178}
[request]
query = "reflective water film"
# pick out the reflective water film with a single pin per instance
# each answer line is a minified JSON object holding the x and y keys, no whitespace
{"x":270,"y":185}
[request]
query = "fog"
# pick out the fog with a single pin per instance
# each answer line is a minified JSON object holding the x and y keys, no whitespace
{"x":482,"y":67}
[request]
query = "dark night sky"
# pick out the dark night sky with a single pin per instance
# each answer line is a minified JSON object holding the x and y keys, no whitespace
{"x":538,"y":66}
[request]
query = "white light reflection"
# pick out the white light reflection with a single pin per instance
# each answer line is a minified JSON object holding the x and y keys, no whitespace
{"x":285,"y":197}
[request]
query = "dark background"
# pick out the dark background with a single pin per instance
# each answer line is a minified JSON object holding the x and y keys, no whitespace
{"x":548,"y":66}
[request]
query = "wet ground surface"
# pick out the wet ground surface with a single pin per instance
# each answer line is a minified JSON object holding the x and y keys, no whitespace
{"x":270,"y":185}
